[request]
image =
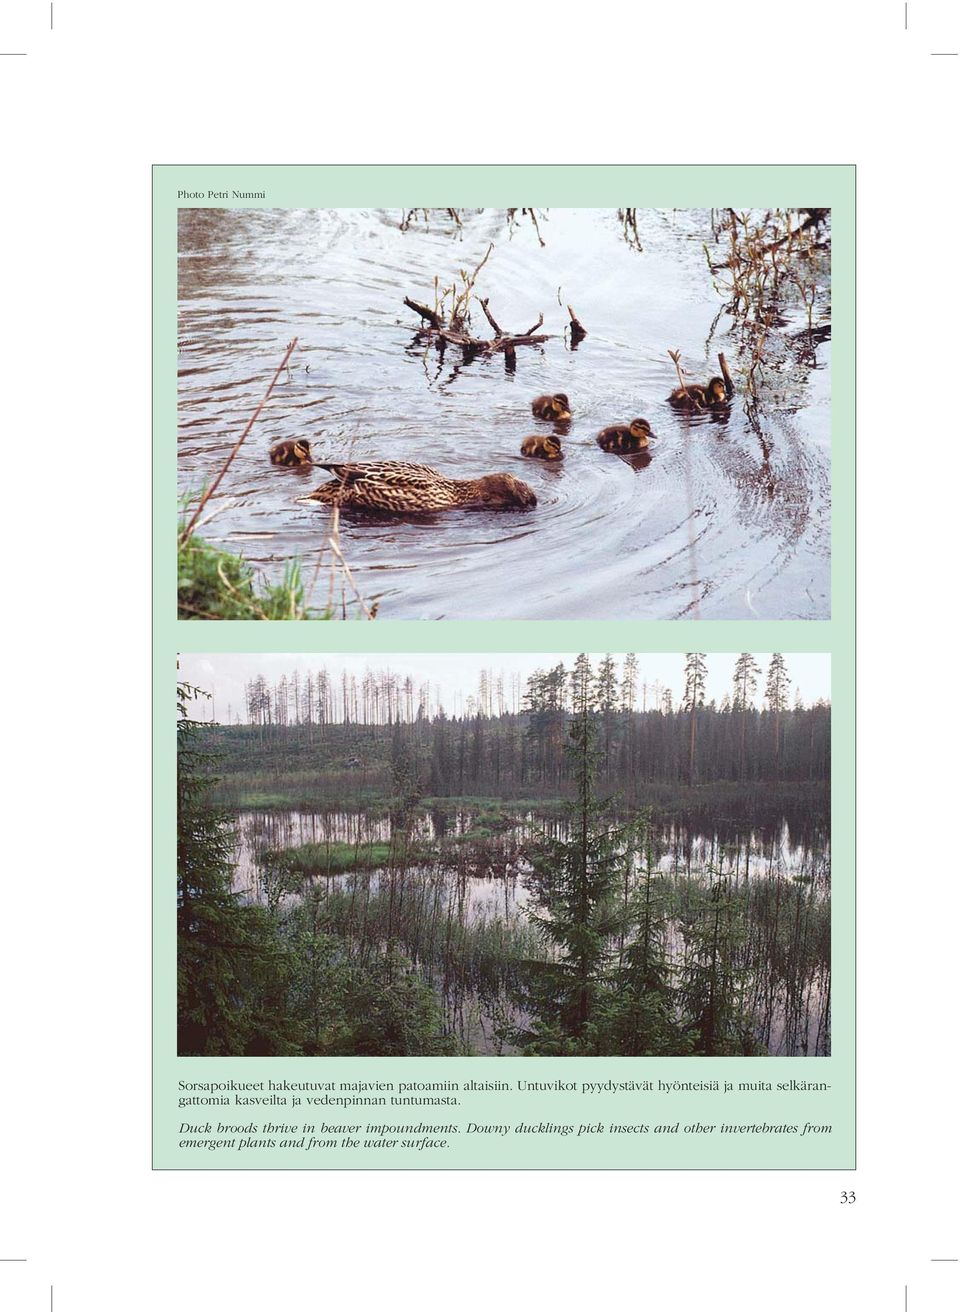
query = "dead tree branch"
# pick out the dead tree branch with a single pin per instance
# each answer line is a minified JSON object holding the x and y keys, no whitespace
{"x":726,"y":373}
{"x":577,"y":330}
{"x":485,"y":307}
{"x":454,"y":332}
{"x":428,"y":315}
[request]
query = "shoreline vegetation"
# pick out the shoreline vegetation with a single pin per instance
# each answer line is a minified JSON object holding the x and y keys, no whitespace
{"x":687,"y":914}
{"x":215,"y":584}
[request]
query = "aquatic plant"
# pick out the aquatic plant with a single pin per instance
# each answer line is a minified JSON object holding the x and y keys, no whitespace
{"x":771,"y":262}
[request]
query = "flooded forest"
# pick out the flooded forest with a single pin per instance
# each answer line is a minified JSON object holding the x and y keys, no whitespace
{"x":573,"y":863}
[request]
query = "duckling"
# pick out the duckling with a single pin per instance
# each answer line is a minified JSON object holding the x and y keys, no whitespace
{"x":541,"y":447}
{"x":623,"y":437}
{"x":555,"y":407}
{"x":699,"y":396}
{"x":291,"y":453}
{"x":401,"y":488}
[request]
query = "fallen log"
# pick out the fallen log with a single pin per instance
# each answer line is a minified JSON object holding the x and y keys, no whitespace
{"x":455,"y":333}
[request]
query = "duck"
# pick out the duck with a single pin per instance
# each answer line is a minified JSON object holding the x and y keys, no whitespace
{"x":699,"y":396}
{"x":541,"y":447}
{"x":634,"y":436}
{"x":401,"y":488}
{"x":556,"y":407}
{"x":291,"y":453}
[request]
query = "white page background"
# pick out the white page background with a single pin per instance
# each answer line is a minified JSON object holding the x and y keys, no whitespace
{"x":116,"y":88}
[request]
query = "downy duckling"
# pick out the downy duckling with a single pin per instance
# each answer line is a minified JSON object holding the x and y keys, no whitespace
{"x":699,"y":396}
{"x":634,"y":436}
{"x":556,"y":407}
{"x":401,"y":488}
{"x":541,"y":447}
{"x":291,"y":453}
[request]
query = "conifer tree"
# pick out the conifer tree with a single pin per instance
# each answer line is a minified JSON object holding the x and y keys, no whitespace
{"x":606,"y":686}
{"x":744,"y":688}
{"x":777,"y":697}
{"x":695,"y":687}
{"x":576,"y":880}
{"x":231,"y":971}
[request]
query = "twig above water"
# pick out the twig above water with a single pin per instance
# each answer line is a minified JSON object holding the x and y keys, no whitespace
{"x":577,"y":330}
{"x":726,"y":373}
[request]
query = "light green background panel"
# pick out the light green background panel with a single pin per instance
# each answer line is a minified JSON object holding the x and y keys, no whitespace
{"x":632,"y":1104}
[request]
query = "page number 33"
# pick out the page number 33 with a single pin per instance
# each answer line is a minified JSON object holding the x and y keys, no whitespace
{"x":847,"y":1196}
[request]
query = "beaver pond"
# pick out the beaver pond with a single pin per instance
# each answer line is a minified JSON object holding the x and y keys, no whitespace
{"x":453,"y":890}
{"x":727,"y":515}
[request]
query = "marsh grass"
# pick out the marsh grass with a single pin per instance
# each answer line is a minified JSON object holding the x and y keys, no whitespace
{"x":746,"y":938}
{"x":329,"y":858}
{"x":213,"y":584}
{"x":423,"y":912}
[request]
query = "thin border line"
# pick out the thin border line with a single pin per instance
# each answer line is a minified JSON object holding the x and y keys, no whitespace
{"x":592,"y":164}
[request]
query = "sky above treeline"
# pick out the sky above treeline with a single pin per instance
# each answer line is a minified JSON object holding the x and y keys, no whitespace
{"x":454,"y":677}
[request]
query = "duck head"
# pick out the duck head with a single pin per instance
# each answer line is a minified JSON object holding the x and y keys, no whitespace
{"x":501,"y":490}
{"x":716,"y":391}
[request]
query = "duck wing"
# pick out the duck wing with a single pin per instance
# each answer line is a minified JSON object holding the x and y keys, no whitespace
{"x":388,"y":473}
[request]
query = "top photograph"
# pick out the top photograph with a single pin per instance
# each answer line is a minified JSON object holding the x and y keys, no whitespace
{"x":499,"y":414}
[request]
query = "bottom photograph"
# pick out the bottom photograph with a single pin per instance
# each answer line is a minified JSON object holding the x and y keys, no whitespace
{"x":544,"y":854}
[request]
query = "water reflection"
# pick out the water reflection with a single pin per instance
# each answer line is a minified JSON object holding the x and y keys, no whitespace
{"x":474,"y":876}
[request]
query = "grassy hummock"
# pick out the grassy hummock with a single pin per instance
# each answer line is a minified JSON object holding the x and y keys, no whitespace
{"x":328,"y":858}
{"x":213,"y":584}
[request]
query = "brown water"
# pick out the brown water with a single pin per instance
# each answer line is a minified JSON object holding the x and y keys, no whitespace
{"x":729,"y":518}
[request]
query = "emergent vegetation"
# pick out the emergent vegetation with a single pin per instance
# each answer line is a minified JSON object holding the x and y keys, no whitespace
{"x":574,"y":867}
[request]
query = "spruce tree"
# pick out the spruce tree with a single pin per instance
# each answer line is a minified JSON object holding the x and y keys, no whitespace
{"x":231,"y":968}
{"x":576,"y":880}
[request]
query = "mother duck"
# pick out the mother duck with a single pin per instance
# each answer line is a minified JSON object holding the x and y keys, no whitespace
{"x":401,"y":488}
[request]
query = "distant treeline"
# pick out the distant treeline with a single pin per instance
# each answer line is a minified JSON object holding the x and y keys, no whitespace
{"x":412,"y":749}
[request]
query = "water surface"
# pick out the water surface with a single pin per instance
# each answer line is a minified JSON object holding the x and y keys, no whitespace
{"x":485,"y":885}
{"x":728,"y":519}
